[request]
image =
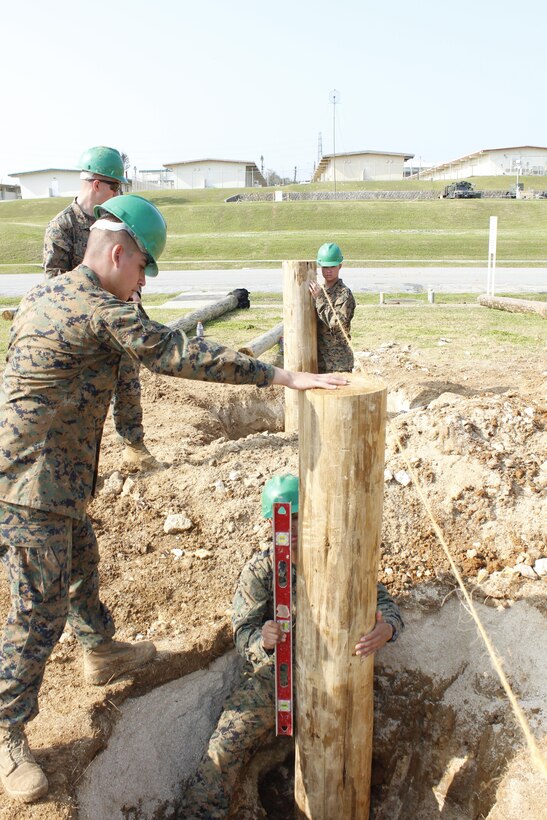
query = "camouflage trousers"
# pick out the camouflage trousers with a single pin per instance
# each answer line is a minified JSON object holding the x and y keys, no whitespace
{"x":247,"y":721}
{"x":126,"y":403}
{"x":52,"y":567}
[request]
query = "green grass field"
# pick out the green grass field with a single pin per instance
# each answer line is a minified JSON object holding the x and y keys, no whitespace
{"x":205,"y":231}
{"x":472,"y":330}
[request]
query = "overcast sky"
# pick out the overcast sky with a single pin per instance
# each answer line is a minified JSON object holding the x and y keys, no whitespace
{"x":176,"y":80}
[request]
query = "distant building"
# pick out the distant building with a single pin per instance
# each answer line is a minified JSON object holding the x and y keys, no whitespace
{"x":48,"y":182}
{"x":359,"y":166}
{"x":215,"y":173}
{"x":492,"y":162}
{"x":9,"y":191}
{"x":158,"y":177}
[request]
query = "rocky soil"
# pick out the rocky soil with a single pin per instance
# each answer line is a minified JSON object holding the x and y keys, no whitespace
{"x":474,"y":437}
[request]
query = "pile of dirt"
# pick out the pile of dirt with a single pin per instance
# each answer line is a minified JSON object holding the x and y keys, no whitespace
{"x":479,"y":449}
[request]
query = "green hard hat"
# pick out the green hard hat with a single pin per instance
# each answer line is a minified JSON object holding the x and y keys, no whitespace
{"x":107,"y":162}
{"x":329,"y":255}
{"x":279,"y":488}
{"x":142,"y":221}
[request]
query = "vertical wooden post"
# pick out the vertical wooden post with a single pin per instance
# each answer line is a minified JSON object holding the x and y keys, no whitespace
{"x":342,"y":435}
{"x":299,"y":330}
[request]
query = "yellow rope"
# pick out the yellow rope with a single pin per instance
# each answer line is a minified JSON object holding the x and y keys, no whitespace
{"x":535,"y":752}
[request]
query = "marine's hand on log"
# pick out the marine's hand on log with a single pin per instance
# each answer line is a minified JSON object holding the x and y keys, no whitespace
{"x":272,"y":634}
{"x":375,"y":640}
{"x":314,"y":289}
{"x":307,"y":381}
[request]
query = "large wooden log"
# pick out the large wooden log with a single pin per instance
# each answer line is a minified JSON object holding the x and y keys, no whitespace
{"x":238,"y":298}
{"x":263,"y":342}
{"x":513,"y":305}
{"x":300,"y":330}
{"x":342,"y":436}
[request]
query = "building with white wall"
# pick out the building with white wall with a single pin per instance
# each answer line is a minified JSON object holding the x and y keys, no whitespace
{"x":9,"y":191}
{"x":215,"y":173}
{"x":492,"y":162}
{"x":48,"y":182}
{"x":359,"y":166}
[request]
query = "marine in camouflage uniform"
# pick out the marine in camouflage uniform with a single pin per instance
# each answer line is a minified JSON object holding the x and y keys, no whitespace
{"x":333,"y":352}
{"x":64,"y":354}
{"x":65,"y":243}
{"x":248,"y":717}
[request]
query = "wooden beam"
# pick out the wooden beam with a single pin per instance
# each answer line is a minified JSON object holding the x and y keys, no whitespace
{"x":300,"y":330}
{"x":263,"y":342}
{"x":238,"y":298}
{"x":513,"y":305}
{"x":342,"y":435}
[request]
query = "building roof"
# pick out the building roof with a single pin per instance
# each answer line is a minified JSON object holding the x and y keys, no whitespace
{"x":42,"y":171}
{"x":476,"y":154}
{"x":325,"y":159}
{"x":209,"y":159}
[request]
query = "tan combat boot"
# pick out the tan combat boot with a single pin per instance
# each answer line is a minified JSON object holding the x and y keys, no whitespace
{"x":138,"y":457}
{"x":22,"y":778}
{"x":110,"y":659}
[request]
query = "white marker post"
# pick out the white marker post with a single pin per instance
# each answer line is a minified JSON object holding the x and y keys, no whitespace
{"x":492,"y":243}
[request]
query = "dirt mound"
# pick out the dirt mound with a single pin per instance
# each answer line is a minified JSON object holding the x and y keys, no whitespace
{"x":480,"y":454}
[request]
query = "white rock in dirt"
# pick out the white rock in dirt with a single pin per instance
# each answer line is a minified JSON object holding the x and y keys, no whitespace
{"x":113,"y":484}
{"x":219,"y":486}
{"x":471,"y":553}
{"x":128,"y":486}
{"x":177,"y":522}
{"x":201,"y":553}
{"x":234,"y":475}
{"x":541,"y":567}
{"x":178,"y":553}
{"x":526,"y":571}
{"x":388,"y":475}
{"x":230,"y":526}
{"x":402,"y":477}
{"x":482,"y":575}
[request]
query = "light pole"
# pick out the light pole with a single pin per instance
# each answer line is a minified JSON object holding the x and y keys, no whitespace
{"x":518,"y":167}
{"x":334,"y":98}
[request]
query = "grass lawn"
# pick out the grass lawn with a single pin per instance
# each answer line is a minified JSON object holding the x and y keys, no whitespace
{"x":472,"y":330}
{"x":205,"y":231}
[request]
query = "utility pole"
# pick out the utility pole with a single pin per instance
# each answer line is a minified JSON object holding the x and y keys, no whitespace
{"x":334,"y":98}
{"x":262,"y":165}
{"x":295,"y":173}
{"x":320,"y":147}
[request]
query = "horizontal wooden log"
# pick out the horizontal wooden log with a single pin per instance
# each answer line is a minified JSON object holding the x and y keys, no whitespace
{"x":263,"y":342}
{"x":513,"y":305}
{"x":236,"y":299}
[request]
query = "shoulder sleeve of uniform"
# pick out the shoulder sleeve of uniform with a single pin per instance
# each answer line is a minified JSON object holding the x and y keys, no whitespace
{"x":170,"y":352}
{"x":252,"y":607}
{"x":390,"y":611}
{"x":57,"y":246}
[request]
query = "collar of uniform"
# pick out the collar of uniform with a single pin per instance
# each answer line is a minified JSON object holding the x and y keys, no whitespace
{"x":86,"y":220}
{"x":91,"y":275}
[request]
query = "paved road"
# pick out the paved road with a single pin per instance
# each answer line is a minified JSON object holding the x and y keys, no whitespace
{"x":389,"y":280}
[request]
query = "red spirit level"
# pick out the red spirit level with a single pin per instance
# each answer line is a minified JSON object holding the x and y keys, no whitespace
{"x":283,"y":616}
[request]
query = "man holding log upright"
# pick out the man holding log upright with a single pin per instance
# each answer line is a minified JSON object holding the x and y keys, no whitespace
{"x":248,"y":716}
{"x":334,"y":354}
{"x":65,"y":348}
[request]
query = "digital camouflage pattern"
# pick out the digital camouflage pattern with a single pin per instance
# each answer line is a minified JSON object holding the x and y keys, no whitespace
{"x":51,"y":563}
{"x":65,"y":243}
{"x":65,"y":240}
{"x":248,"y":716}
{"x":64,"y":354}
{"x":333,"y":352}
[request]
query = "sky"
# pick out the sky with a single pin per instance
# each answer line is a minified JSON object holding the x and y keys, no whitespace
{"x":171,"y":80}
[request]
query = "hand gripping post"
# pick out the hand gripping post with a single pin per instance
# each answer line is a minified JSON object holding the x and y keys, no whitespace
{"x":283,"y":616}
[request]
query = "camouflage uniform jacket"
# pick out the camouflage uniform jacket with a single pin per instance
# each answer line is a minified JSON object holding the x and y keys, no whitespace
{"x":64,"y":352}
{"x":253,"y":606}
{"x":334,"y":353}
{"x":66,"y":239}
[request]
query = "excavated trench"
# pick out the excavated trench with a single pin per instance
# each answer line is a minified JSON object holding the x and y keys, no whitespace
{"x":444,"y":734}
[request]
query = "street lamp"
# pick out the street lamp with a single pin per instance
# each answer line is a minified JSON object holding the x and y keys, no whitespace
{"x":334,"y":98}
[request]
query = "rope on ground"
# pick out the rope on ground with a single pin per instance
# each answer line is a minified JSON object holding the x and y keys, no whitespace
{"x":535,"y":752}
